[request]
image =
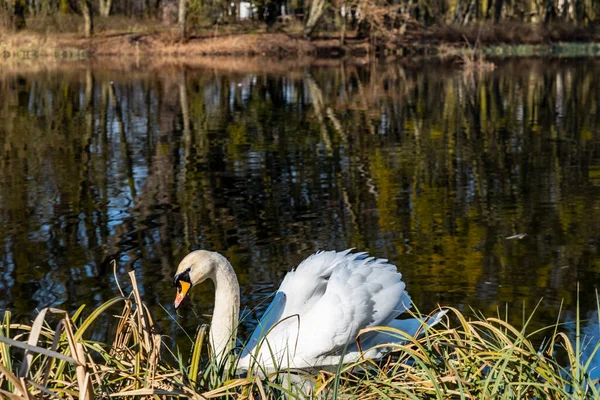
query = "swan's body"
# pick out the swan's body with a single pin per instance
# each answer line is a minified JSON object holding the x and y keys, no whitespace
{"x":316,"y":314}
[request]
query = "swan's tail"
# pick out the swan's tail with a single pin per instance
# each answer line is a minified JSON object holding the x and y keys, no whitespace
{"x":411,"y":326}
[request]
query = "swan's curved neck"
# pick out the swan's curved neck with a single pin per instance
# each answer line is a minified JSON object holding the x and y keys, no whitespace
{"x":223,"y":329}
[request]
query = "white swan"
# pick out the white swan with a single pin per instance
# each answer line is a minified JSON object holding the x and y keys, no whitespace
{"x":316,"y":314}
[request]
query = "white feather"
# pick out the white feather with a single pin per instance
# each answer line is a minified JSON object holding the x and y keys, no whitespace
{"x":320,"y":308}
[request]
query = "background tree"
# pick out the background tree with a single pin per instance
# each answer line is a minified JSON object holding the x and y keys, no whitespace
{"x":12,"y":14}
{"x":86,"y":10}
{"x":315,"y":12}
{"x":104,"y":7}
{"x":19,"y":21}
{"x":386,"y":20}
{"x":181,"y":19}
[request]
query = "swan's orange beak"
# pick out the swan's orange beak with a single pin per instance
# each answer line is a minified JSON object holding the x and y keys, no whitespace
{"x":182,"y":290}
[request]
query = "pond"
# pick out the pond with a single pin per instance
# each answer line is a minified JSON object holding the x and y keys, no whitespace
{"x":483,"y":188}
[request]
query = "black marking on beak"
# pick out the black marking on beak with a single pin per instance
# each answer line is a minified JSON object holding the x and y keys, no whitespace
{"x":184,"y":276}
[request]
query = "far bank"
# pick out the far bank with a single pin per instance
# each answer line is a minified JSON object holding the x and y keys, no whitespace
{"x":149,"y":41}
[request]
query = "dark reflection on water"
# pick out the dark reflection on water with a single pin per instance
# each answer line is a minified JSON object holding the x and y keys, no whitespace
{"x":424,"y":165}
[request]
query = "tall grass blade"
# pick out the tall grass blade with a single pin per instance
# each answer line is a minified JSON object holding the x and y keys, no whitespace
{"x":147,"y":392}
{"x":224,"y":390}
{"x":94,"y":315}
{"x":34,"y":336}
{"x":45,"y":390}
{"x":142,"y":320}
{"x":197,"y":353}
{"x":39,"y":350}
{"x":12,"y":378}
{"x":11,"y":395}
{"x":578,"y":376}
{"x":5,"y":358}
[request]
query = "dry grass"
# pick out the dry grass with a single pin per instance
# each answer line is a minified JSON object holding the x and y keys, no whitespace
{"x":486,"y":358}
{"x":508,"y":33}
{"x":61,"y":37}
{"x":470,"y":358}
{"x":165,"y":43}
{"x":474,"y":61}
{"x":470,"y":56}
{"x":61,"y":363}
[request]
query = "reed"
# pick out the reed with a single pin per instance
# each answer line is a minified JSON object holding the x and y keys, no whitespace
{"x":470,"y":56}
{"x":467,"y":358}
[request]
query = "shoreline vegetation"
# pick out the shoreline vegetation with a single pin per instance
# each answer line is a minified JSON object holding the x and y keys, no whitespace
{"x":185,"y":29}
{"x":58,"y":356}
{"x":163,"y":44}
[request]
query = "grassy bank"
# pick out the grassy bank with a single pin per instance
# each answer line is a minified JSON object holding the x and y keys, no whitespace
{"x":57,"y":357}
{"x":161,"y":45}
{"x":129,"y":37}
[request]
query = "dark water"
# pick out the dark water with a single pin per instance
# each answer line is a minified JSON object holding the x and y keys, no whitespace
{"x":421,"y":164}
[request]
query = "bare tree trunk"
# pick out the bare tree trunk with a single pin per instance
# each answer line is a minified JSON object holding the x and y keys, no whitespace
{"x":549,"y":11}
{"x":343,"y":31}
{"x":105,"y":6}
{"x":498,"y":10}
{"x":341,"y":13}
{"x":314,"y":15}
{"x":86,"y":9}
{"x":19,"y":15}
{"x":560,"y":9}
{"x":156,"y":8}
{"x":182,"y":18}
{"x":12,"y":14}
{"x":579,"y":11}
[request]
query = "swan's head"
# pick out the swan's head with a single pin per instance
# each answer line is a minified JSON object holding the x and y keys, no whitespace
{"x":195,"y":268}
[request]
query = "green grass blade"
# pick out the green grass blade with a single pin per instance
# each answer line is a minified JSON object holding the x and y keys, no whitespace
{"x":6,"y":360}
{"x":197,"y":353}
{"x":94,"y":315}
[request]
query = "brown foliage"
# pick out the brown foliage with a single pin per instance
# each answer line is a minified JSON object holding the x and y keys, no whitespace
{"x":509,"y":33}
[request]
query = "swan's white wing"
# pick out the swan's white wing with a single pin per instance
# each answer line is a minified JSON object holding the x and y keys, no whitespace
{"x":269,"y":318}
{"x":361,"y":293}
{"x":303,"y":286}
{"x":357,"y":292}
{"x":335,"y":295}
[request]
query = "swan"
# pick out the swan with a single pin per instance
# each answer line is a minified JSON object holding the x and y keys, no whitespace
{"x":315,"y":315}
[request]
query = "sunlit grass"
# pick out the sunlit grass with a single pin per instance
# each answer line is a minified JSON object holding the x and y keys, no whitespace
{"x":469,"y":358}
